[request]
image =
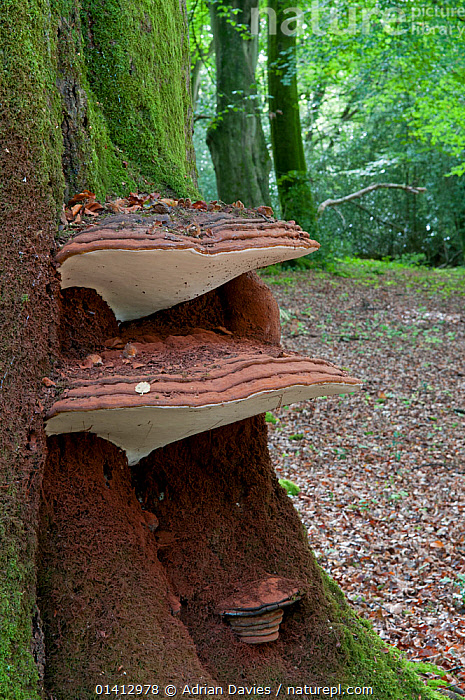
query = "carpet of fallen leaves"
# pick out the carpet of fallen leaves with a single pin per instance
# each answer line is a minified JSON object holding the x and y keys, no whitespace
{"x":381,"y":472}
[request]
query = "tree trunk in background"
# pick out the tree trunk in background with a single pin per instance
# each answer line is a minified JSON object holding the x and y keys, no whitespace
{"x":286,"y":135}
{"x":235,"y":139}
{"x":91,"y":95}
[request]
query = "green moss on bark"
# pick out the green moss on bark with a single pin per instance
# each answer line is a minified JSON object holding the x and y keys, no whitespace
{"x":137,"y":57}
{"x":90,"y":160}
{"x":286,"y":134}
{"x":30,"y":186}
{"x":55,"y":128}
{"x":122,"y":76}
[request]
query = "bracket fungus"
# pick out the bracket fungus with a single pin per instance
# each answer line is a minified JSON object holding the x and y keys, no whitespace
{"x":256,"y":613}
{"x":160,"y":378}
{"x":142,"y":413}
{"x":139,"y":269}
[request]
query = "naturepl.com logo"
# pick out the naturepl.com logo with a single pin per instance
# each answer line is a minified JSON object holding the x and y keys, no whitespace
{"x":331,"y":691}
{"x":320,"y":19}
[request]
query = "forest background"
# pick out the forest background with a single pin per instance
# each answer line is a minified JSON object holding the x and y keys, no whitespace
{"x":377,"y":92}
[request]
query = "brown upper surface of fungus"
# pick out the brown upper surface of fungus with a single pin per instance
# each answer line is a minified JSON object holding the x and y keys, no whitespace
{"x":187,"y":385}
{"x":141,"y":267}
{"x":259,"y":597}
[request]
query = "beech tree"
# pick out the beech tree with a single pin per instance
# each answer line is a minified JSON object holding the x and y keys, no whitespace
{"x":96,"y":95}
{"x":92,"y":95}
{"x":235,"y":137}
{"x":294,"y":191}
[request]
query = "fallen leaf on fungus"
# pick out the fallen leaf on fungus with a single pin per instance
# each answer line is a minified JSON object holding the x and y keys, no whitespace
{"x":114,"y":207}
{"x":200,"y":205}
{"x":194,"y":230}
{"x":63,"y":217}
{"x":116,"y":343}
{"x":91,"y":361}
{"x":76,"y":209}
{"x":95,"y":206}
{"x":265,"y":211}
{"x":81,"y":197}
{"x":160,"y":208}
{"x":130,"y":350}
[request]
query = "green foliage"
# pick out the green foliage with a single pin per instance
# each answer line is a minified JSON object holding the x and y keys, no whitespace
{"x":289,"y":486}
{"x":443,"y":283}
{"x":384,"y":107}
{"x":381,"y":100}
{"x":270,"y":418}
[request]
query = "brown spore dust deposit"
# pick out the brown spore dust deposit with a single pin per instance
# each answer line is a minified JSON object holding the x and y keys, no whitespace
{"x":143,"y":550}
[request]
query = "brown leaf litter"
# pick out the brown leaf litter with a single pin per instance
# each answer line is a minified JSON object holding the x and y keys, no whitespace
{"x":381,"y":473}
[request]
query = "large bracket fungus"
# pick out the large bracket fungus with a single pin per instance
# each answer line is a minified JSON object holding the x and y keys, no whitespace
{"x":181,"y":390}
{"x":138,"y":268}
{"x":143,"y":412}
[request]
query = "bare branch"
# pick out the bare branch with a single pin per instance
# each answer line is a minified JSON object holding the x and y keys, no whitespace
{"x":366,"y":190}
{"x":377,"y":218}
{"x":344,"y":223}
{"x":203,"y":116}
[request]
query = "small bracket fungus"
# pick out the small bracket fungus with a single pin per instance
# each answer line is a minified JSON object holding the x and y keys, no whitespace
{"x":144,"y":413}
{"x":139,"y":270}
{"x":256,"y":612}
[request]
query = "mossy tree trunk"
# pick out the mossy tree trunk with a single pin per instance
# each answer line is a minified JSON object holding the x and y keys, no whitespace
{"x":286,"y":135}
{"x":235,"y":139}
{"x":92,"y":95}
{"x":30,"y":188}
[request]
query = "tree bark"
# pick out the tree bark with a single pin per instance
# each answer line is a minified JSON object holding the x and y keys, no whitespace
{"x":286,"y":135}
{"x":235,"y":138}
{"x":91,"y":95}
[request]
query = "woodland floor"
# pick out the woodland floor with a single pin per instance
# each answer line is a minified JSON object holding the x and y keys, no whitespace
{"x":381,"y":472}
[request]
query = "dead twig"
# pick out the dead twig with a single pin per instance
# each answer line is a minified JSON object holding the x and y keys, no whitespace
{"x":366,"y":190}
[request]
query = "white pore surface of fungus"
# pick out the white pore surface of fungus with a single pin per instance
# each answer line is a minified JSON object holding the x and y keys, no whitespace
{"x":141,"y":429}
{"x":137,"y":283}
